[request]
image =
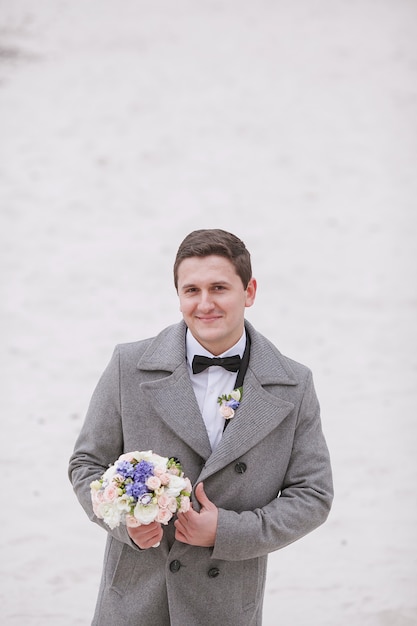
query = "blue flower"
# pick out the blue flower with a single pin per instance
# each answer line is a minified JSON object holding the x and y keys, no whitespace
{"x":143,"y":470}
{"x":136,"y":489}
{"x":125,"y":468}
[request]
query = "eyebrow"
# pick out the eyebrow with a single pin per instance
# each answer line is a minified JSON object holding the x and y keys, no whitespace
{"x":213,"y":284}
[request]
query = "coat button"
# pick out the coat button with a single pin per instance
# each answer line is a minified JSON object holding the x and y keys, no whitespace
{"x":240,"y":468}
{"x":174,"y":566}
{"x":213,"y":572}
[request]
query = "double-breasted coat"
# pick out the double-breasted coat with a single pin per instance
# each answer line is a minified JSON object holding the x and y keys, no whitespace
{"x":270,"y":477}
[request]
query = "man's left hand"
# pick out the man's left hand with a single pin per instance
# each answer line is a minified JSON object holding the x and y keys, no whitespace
{"x":198,"y":529}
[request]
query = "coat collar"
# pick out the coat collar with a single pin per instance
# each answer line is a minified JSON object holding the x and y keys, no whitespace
{"x":167,"y":352}
{"x":173,"y":397}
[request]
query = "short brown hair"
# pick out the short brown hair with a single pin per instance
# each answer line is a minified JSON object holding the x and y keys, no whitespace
{"x":206,"y":242}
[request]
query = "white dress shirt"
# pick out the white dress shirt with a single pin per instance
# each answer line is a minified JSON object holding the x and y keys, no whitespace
{"x":212,"y":383}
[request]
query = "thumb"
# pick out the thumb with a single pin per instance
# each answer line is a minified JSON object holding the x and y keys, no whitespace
{"x":202,"y":498}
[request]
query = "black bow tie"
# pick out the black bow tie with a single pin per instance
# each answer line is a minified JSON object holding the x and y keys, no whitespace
{"x":230,"y":363}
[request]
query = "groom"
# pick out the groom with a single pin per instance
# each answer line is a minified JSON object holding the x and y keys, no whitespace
{"x":259,"y":484}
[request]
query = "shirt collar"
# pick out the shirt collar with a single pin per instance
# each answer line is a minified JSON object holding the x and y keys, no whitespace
{"x":193,"y":347}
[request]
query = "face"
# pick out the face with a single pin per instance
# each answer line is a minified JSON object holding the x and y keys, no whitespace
{"x":213,"y":301}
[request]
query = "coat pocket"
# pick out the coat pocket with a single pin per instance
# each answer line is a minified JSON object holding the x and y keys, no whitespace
{"x":120,"y":566}
{"x":253,"y":583}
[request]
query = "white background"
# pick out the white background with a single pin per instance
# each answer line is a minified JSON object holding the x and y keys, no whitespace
{"x":124,"y":126}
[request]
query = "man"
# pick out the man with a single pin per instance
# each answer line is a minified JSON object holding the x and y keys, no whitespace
{"x":262,"y":478}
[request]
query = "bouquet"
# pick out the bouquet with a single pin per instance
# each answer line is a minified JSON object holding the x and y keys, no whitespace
{"x":139,"y":488}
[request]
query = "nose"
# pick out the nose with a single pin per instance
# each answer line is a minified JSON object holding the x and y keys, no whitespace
{"x":206,"y":301}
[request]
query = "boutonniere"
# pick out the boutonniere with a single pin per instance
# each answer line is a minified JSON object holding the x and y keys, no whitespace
{"x":230,"y":402}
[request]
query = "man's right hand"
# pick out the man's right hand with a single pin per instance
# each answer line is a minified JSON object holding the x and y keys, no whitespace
{"x":147,"y":535}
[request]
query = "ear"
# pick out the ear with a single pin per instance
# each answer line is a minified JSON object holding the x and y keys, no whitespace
{"x":251,"y":292}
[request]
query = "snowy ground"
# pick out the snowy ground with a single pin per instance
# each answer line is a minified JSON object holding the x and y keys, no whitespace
{"x":125,"y":125}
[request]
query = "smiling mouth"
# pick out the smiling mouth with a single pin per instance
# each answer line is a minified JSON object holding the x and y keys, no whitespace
{"x":208,"y":318}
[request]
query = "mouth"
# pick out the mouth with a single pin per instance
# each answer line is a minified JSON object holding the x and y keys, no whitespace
{"x":207,"y":319}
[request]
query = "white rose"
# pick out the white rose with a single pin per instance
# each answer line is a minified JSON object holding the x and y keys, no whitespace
{"x":235,"y":395}
{"x":109,"y":473}
{"x":110,"y":514}
{"x":145,"y":514}
{"x":124,"y":503}
{"x":175,"y":486}
{"x":159,"y":461}
{"x":143,"y":456}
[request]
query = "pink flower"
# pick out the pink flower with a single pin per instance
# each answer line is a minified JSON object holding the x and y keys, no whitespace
{"x":162,"y":475}
{"x":188,"y":486}
{"x":163,"y":501}
{"x":96,"y":509}
{"x":131,"y":521}
{"x":111,"y":493}
{"x":172,"y":504}
{"x":97,"y":496}
{"x":164,"y":515}
{"x":153,"y":482}
{"x":226,"y":411}
{"x":184,"y":504}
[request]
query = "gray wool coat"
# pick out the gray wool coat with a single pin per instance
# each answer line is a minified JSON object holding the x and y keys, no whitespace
{"x":270,"y":477}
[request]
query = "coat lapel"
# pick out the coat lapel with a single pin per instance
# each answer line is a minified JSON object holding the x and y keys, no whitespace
{"x":259,"y":414}
{"x":172,"y":395}
{"x":260,"y":411}
{"x":173,"y":398}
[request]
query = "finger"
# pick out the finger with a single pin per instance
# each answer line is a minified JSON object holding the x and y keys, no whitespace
{"x":180,"y":532}
{"x":180,"y":524}
{"x":150,"y":530}
{"x":179,"y":536}
{"x":187,"y":515}
{"x":202,"y":497}
{"x":153,"y":540}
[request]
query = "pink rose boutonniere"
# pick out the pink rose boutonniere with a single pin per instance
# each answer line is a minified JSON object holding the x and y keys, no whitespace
{"x":230,"y":402}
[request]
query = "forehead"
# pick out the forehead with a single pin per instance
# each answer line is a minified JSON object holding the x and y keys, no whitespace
{"x":211,"y":268}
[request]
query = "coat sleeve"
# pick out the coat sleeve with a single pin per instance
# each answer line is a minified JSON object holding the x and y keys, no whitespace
{"x":304,"y":500}
{"x":100,"y":442}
